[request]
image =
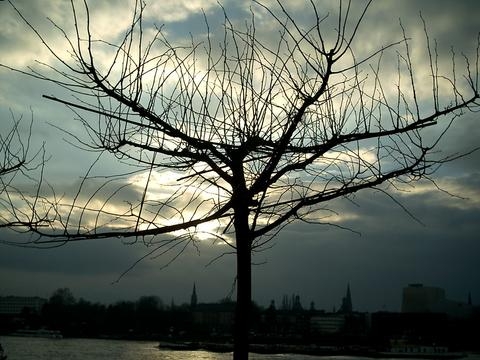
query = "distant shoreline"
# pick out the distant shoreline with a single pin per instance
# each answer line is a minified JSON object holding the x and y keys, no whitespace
{"x":311,"y":349}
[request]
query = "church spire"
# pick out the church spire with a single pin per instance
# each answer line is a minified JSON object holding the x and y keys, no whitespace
{"x":347,"y":306}
{"x":193,"y":298}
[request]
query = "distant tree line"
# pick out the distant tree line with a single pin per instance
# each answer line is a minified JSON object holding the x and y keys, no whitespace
{"x":145,"y":317}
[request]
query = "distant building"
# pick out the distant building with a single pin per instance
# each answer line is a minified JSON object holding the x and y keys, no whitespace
{"x":291,"y":303}
{"x":327,"y":323}
{"x":335,"y":322}
{"x":418,"y":298}
{"x":15,"y":305}
{"x":215,"y":317}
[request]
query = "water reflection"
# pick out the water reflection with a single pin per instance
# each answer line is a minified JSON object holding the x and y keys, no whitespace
{"x":18,"y":348}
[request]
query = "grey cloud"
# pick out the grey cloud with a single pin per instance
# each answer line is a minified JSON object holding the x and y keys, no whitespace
{"x":91,"y":270}
{"x":392,"y":251}
{"x":316,"y":262}
{"x":86,"y":258}
{"x":451,"y":25}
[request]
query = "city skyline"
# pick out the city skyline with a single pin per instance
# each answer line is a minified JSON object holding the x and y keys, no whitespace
{"x":374,"y":244}
{"x":289,"y":301}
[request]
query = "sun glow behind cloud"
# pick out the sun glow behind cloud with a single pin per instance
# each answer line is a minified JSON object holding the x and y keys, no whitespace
{"x":182,"y":202}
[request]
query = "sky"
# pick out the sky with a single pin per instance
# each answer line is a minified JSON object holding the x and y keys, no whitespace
{"x":387,"y":250}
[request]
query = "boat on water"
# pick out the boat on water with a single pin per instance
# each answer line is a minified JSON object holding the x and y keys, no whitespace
{"x":421,"y":355}
{"x":404,"y":349}
{"x":43,"y":333}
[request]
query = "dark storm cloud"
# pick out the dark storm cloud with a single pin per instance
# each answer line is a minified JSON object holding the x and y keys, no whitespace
{"x":392,"y":251}
{"x":77,"y":258}
{"x":451,"y":25}
{"x":100,"y":271}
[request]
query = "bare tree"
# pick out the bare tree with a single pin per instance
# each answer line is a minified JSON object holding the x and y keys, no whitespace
{"x":244,"y":137}
{"x":19,"y":164}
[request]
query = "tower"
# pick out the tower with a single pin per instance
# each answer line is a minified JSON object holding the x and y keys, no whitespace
{"x":193,"y":298}
{"x":347,"y":306}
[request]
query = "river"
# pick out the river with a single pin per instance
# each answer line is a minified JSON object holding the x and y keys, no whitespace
{"x":23,"y":348}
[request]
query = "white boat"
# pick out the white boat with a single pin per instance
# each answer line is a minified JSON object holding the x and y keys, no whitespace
{"x":403,"y":349}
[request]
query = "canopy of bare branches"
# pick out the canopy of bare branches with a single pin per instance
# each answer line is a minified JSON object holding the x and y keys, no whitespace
{"x":283,"y":127}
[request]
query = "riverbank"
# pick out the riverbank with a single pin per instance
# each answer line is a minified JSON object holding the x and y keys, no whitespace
{"x":310,"y":349}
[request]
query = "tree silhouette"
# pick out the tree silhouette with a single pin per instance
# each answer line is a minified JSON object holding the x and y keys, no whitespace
{"x":237,"y":135}
{"x":18,"y":162}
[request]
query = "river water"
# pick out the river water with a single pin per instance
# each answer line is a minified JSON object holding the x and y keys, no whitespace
{"x":22,"y":348}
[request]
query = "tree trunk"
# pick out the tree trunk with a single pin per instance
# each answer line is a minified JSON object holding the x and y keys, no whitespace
{"x":244,"y":280}
{"x":244,"y":299}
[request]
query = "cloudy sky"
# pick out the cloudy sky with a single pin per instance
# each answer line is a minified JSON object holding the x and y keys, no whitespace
{"x":388,"y":248}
